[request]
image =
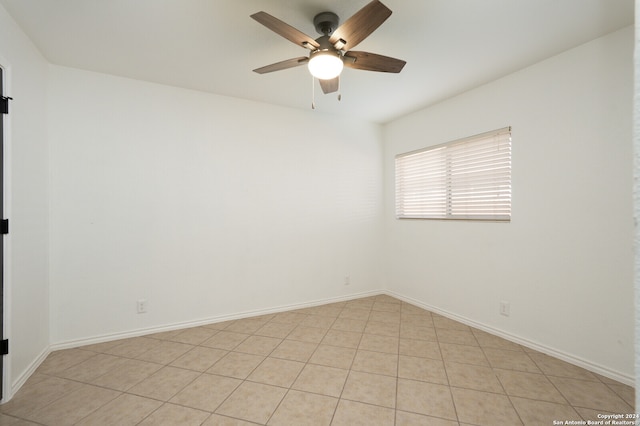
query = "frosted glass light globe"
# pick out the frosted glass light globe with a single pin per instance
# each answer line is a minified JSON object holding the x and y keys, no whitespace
{"x":325,"y":65}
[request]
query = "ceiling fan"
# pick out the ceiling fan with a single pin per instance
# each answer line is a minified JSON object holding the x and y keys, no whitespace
{"x":330,"y":52}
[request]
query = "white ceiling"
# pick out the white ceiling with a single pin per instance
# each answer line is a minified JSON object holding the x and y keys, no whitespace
{"x":213,"y":45}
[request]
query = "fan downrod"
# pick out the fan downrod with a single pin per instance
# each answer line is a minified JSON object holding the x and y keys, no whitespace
{"x":326,"y":22}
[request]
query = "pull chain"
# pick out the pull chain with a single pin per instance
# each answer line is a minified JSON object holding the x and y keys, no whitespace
{"x":313,"y":93}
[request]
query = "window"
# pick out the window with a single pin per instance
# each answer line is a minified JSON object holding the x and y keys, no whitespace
{"x":465,"y":179}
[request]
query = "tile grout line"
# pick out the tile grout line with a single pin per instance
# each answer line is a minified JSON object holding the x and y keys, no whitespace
{"x":212,"y":413}
{"x":241,"y":383}
{"x":344,"y":385}
{"x":482,"y":349}
{"x":395,"y":414}
{"x":551,"y":382}
{"x":294,"y":380}
{"x":444,"y":367}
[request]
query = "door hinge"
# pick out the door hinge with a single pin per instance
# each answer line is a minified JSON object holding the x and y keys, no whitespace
{"x":4,"y":347}
{"x":4,"y":226}
{"x":4,"y":104}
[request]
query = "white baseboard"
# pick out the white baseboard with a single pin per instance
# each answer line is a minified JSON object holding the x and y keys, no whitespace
{"x":572,"y":359}
{"x":211,"y":320}
{"x":22,"y":379}
{"x":598,"y":369}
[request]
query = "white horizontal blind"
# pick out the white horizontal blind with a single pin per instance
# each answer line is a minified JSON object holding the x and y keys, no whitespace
{"x":465,"y":179}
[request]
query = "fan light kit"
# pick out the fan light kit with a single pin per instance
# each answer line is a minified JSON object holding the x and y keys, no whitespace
{"x":332,"y":51}
{"x":325,"y":65}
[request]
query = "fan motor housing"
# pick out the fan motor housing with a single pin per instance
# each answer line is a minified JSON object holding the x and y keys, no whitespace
{"x":326,"y":22}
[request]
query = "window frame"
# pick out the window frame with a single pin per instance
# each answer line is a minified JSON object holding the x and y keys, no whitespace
{"x":448,"y":188}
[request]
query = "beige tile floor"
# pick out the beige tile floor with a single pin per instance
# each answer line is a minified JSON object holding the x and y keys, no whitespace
{"x":370,"y":361}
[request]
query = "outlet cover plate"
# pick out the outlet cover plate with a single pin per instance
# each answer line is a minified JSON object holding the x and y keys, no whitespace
{"x":505,"y":308}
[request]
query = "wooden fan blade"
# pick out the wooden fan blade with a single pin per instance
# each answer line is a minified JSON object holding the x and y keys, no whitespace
{"x":372,"y":62}
{"x":283,"y":65}
{"x":285,"y":30}
{"x":360,"y":25}
{"x":330,"y":86}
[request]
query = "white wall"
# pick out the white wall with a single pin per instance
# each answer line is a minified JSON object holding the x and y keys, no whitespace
{"x":565,"y":262}
{"x":26,"y":203}
{"x":202,"y":204}
{"x":636,"y":191}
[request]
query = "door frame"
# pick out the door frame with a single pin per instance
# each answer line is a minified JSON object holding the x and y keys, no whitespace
{"x":5,"y":306}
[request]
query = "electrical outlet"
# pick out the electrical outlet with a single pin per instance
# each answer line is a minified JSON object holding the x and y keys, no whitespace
{"x":347,"y":280}
{"x":142,"y":306}
{"x":505,"y":308}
